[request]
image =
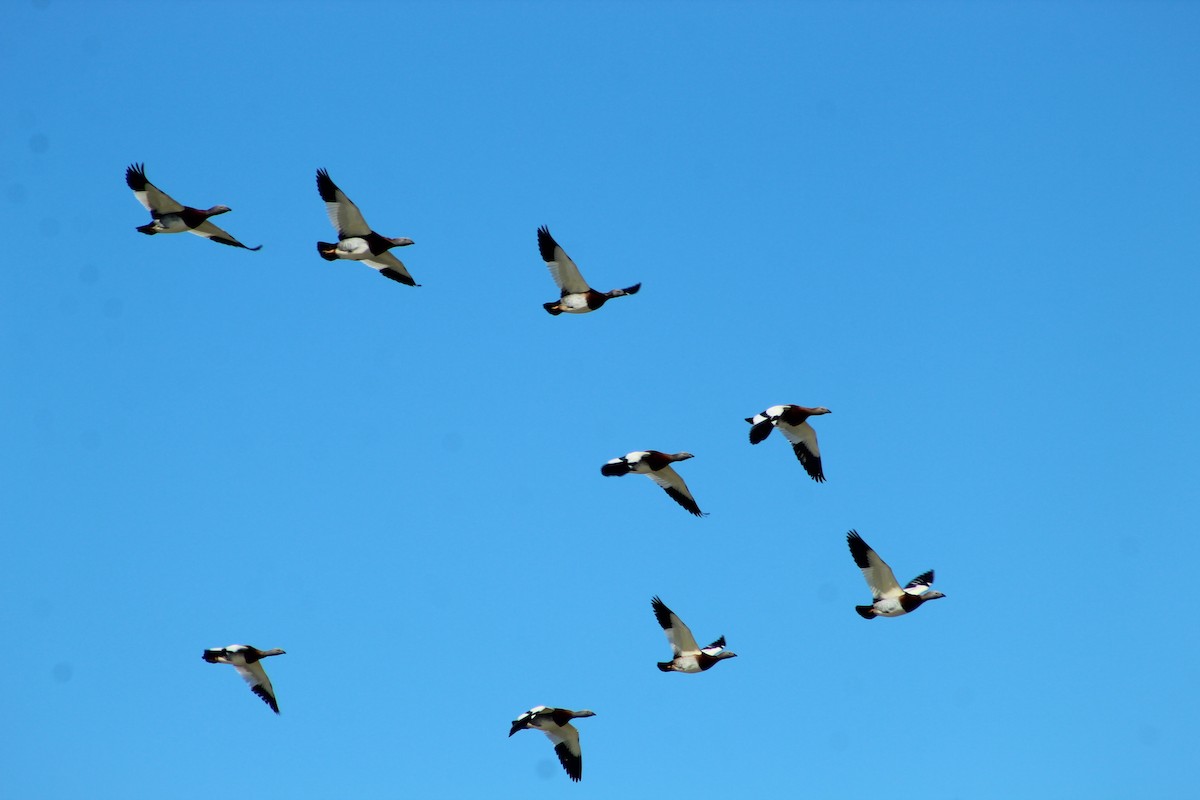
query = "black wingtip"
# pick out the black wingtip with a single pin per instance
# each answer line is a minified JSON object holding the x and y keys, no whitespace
{"x":266,"y":698}
{"x":398,"y":277}
{"x":135,"y":177}
{"x":546,"y":243}
{"x":858,"y":549}
{"x":686,"y":502}
{"x":326,"y":187}
{"x":571,"y":763}
{"x":661,"y":612}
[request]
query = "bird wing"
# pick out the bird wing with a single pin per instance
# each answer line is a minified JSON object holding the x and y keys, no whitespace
{"x":566,"y":747}
{"x":154,"y":199}
{"x":920,"y":584}
{"x":804,"y":444}
{"x":875,"y":570}
{"x":260,"y":684}
{"x":714,"y":648}
{"x":673,"y":485}
{"x":213,"y":233}
{"x":391,"y":267}
{"x":761,"y":426}
{"x":562,"y":268}
{"x":678,"y":634}
{"x":346,"y":218}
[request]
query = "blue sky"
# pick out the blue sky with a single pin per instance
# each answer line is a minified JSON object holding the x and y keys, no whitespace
{"x":967,"y":229}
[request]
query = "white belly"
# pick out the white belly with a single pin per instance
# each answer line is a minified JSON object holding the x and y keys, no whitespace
{"x":170,"y":223}
{"x":353,"y":249}
{"x":574,"y":304}
{"x":889,"y":607}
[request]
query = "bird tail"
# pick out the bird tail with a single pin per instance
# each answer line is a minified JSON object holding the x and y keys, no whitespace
{"x":323,"y":248}
{"x":552,"y":308}
{"x":147,"y":229}
{"x":615,"y":470}
{"x":665,"y":666}
{"x":866,"y":612}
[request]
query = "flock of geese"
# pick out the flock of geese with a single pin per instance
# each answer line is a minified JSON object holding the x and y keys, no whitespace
{"x":357,"y":241}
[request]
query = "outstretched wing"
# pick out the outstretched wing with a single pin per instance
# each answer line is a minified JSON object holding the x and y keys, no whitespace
{"x":566,"y":747}
{"x":804,"y":443}
{"x":213,"y":233}
{"x":391,"y":267}
{"x":673,"y":485}
{"x":155,"y":200}
{"x":260,"y":684}
{"x":875,"y":570}
{"x":920,"y":584}
{"x":562,"y":268}
{"x":346,"y":218}
{"x":678,"y":634}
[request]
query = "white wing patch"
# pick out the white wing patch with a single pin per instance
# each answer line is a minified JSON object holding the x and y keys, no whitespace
{"x":157,"y":201}
{"x":680,"y":637}
{"x":385,"y":260}
{"x":800,"y":434}
{"x":882,"y":582}
{"x":565,"y":273}
{"x":346,"y":217}
{"x":210,"y":231}
{"x":668,"y":478}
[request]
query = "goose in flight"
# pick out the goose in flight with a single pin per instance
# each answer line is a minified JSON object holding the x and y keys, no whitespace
{"x":556,"y":724}
{"x":577,"y":297}
{"x":356,"y":240}
{"x":792,"y":423}
{"x":657,"y":467}
{"x":244,"y":659}
{"x":890,"y":600}
{"x":688,"y":656}
{"x":168,"y":216}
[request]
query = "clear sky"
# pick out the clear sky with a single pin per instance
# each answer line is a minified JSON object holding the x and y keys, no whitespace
{"x":970,"y":230}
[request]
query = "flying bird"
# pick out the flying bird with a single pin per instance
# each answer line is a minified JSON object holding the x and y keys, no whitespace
{"x":657,"y":467}
{"x":792,"y":423}
{"x":577,"y":297}
{"x":168,"y":216}
{"x":356,"y":240}
{"x":556,"y":724}
{"x":244,"y":659}
{"x":890,"y":600}
{"x":689,"y":657}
